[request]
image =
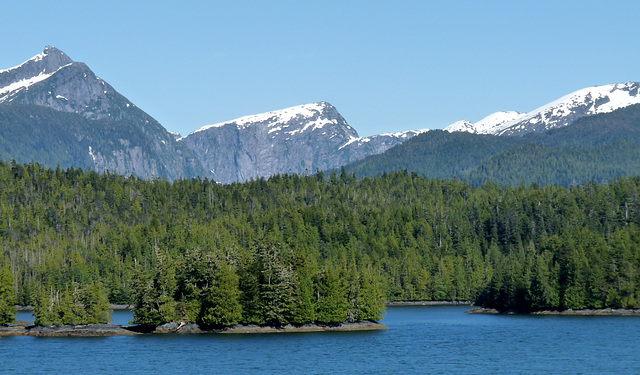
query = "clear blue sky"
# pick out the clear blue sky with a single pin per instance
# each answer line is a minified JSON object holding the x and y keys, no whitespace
{"x":386,"y":65}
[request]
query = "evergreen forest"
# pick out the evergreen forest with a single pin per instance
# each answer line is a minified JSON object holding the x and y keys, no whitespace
{"x":295,"y":249}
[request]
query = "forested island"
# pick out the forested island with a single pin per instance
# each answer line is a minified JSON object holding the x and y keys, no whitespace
{"x":296,"y":249}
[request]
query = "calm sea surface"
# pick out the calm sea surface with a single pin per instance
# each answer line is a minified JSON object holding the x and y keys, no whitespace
{"x":420,"y":340}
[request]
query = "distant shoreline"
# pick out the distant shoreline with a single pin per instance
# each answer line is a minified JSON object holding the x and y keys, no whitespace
{"x":428,"y":303}
{"x":570,"y":312}
{"x":111,"y":307}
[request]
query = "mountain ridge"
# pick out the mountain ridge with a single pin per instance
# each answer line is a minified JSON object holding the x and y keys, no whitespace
{"x":601,"y":148}
{"x":560,"y":112}
{"x":302,"y":139}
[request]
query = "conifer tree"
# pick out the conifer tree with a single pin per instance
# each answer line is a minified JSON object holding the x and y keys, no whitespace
{"x":221,"y":301}
{"x":7,"y":297}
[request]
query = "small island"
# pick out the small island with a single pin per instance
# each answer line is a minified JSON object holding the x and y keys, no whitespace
{"x":567,"y":312}
{"x":206,"y":292}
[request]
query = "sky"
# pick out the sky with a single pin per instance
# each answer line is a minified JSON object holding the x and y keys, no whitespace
{"x":387,"y":66}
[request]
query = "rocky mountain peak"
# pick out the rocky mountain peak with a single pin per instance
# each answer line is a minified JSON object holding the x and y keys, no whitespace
{"x":52,"y":79}
{"x":45,"y":63}
{"x":290,"y":121}
{"x":54,"y":58}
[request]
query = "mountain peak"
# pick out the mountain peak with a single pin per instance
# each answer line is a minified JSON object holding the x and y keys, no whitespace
{"x":32,"y":71}
{"x":52,"y":59}
{"x":310,"y":116}
{"x":46,"y":62}
{"x":50,"y":49}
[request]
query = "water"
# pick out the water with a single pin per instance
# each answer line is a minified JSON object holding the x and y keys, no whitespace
{"x":438,"y":340}
{"x":121,"y":317}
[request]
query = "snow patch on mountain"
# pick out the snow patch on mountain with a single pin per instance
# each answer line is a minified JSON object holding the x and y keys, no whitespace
{"x":11,"y":89}
{"x":497,"y":119}
{"x":494,"y":120}
{"x":461,"y":126}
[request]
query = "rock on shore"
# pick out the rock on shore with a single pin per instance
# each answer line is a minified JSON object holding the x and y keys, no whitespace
{"x":91,"y":330}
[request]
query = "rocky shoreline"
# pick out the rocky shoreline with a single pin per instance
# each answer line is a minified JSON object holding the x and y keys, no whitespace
{"x":84,"y":330}
{"x":101,"y":330}
{"x":570,"y":312}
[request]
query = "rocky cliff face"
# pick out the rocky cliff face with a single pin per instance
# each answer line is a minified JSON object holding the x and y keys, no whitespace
{"x":135,"y":143}
{"x":302,"y":139}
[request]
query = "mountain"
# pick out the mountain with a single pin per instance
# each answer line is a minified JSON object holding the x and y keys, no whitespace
{"x":83,"y":122}
{"x":56,"y":111}
{"x":559,"y":113}
{"x":301,"y":139}
{"x":601,"y":148}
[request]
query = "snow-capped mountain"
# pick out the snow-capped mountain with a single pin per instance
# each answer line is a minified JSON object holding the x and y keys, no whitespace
{"x":52,"y":79}
{"x":562,"y":112}
{"x":107,"y":132}
{"x":300,"y":139}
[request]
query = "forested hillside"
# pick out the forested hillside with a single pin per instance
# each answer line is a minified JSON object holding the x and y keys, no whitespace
{"x":316,"y":248}
{"x":597,"y":148}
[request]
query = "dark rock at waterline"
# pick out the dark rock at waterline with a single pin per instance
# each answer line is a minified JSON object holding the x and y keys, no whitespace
{"x":190,"y":328}
{"x":592,"y":312}
{"x":85,"y":330}
{"x":483,"y":310}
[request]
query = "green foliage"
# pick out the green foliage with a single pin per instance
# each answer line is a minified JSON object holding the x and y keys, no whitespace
{"x":7,"y":297}
{"x":73,"y":305}
{"x":221,"y":305}
{"x":333,"y":304}
{"x":294,"y":249}
{"x":154,"y":292}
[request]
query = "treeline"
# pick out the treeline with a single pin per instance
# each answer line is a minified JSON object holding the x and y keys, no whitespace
{"x":289,"y":242}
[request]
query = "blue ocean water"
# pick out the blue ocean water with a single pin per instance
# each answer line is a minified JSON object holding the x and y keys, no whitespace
{"x":419,"y":340}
